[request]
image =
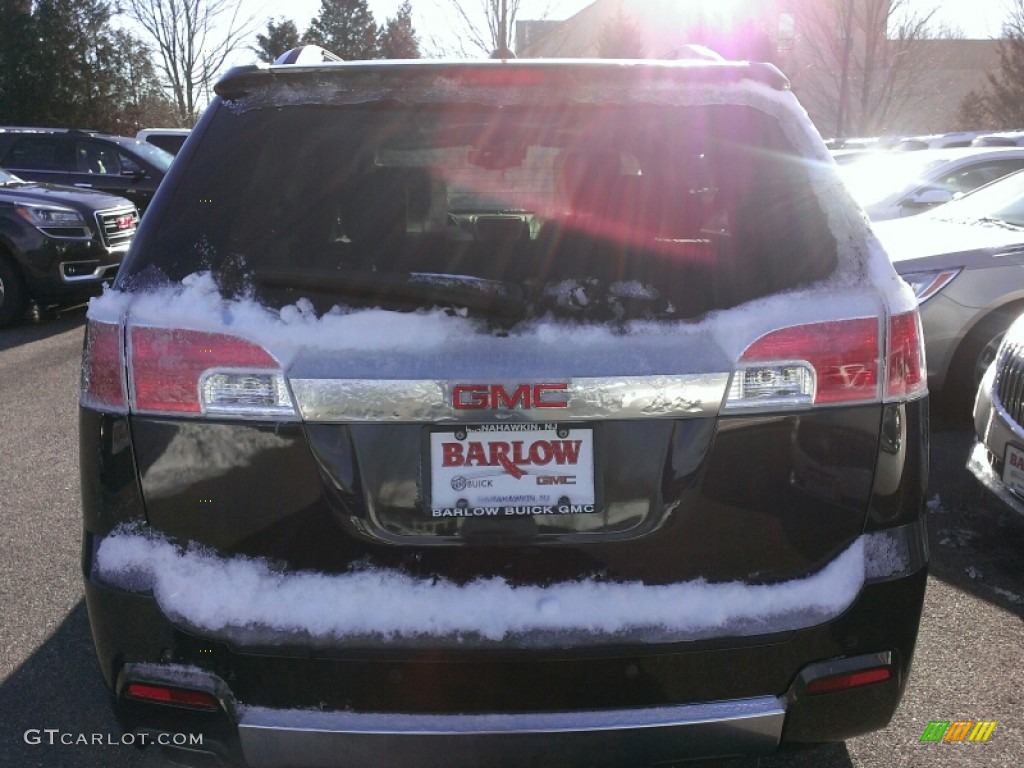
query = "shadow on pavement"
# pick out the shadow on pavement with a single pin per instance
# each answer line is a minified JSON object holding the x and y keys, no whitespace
{"x":26,"y":331}
{"x":60,"y":687}
{"x":975,"y":540}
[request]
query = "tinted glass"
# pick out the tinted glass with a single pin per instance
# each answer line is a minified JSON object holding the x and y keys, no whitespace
{"x":679,"y":210}
{"x":36,"y":153}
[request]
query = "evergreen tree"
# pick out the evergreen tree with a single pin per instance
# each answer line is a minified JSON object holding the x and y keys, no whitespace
{"x":1004,"y":94}
{"x":972,"y":114}
{"x":397,"y":39}
{"x":61,"y":64}
{"x":281,"y":36}
{"x":621,"y":38}
{"x":345,"y":28}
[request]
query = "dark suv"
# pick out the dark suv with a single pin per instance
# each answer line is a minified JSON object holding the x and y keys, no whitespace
{"x":58,"y":244}
{"x":85,"y":159}
{"x":504,"y":413}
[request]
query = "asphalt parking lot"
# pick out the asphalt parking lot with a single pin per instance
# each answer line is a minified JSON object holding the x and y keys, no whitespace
{"x":969,"y":665}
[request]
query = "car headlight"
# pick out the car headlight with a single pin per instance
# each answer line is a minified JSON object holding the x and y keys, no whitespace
{"x":53,"y":219}
{"x":927,"y":284}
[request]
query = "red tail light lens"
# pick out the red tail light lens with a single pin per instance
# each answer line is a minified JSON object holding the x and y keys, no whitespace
{"x":907,"y":374}
{"x":850,"y":680}
{"x":162,"y":694}
{"x":103,"y":384}
{"x":178,"y":371}
{"x":814,"y":364}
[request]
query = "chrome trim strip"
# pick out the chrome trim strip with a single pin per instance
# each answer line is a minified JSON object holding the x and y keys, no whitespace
{"x":589,"y":398}
{"x":102,"y":272}
{"x":606,"y":738}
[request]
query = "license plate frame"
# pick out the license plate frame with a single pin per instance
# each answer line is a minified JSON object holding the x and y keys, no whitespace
{"x":1013,"y":468}
{"x":507,"y":470}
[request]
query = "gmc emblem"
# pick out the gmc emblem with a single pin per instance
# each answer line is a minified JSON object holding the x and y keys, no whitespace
{"x":471,"y":397}
{"x":125,"y":222}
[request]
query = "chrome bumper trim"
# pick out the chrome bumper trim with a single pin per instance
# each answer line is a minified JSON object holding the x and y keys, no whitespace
{"x":282,"y":738}
{"x":978,"y":465}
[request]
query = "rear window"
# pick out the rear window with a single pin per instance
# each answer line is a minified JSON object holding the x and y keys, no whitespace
{"x":598,"y":211}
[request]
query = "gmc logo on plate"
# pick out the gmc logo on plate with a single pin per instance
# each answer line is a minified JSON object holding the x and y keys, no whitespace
{"x":472,"y":397}
{"x":125,"y":222}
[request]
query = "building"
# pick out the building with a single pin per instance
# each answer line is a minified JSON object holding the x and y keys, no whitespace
{"x":846,"y":59}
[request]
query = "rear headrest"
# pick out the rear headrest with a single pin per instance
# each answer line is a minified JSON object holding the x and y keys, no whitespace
{"x":589,"y":178}
{"x":381,"y":205}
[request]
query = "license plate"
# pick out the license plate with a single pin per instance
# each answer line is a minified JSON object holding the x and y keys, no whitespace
{"x":504,"y":470}
{"x":1013,"y":469}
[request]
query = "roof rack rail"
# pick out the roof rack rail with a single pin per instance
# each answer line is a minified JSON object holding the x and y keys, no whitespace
{"x":307,"y":54}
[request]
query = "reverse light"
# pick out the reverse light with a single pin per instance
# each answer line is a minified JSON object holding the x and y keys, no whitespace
{"x":177,"y":371}
{"x":180,"y":697}
{"x":813,"y":364}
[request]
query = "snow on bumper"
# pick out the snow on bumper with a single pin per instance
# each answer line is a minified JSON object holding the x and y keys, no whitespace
{"x":246,"y":600}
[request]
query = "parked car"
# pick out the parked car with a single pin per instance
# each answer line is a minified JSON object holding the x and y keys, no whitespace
{"x":85,"y":159}
{"x":937,"y":141}
{"x":965,"y":262}
{"x":168,"y":139}
{"x":997,"y":459}
{"x":908,"y":183}
{"x":57,"y":244}
{"x":504,"y":412}
{"x":1001,"y":139}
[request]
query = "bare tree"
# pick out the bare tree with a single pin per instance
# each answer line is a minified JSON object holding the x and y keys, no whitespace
{"x":856,"y":62}
{"x":483,"y":26}
{"x":1002,"y":101}
{"x":192,"y":40}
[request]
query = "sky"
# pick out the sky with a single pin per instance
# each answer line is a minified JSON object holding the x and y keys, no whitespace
{"x":976,"y":18}
{"x":435,"y":22}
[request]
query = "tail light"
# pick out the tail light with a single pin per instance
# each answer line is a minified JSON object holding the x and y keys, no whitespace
{"x":814,"y":364}
{"x":829,"y":363}
{"x":907,"y":375}
{"x":103,"y":384}
{"x":176,"y":371}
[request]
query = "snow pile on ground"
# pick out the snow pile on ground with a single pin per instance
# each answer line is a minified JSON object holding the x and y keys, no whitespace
{"x":215,"y":594}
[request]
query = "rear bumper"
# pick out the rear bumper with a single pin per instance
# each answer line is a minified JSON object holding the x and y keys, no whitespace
{"x":291,"y":705}
{"x":642,"y":736}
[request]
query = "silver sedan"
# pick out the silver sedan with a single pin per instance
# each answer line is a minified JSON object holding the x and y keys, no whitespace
{"x":965,"y":262}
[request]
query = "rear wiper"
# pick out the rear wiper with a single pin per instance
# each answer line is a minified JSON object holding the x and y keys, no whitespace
{"x":421,"y":288}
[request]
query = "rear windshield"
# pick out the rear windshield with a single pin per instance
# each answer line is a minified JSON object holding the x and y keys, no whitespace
{"x":597,"y":211}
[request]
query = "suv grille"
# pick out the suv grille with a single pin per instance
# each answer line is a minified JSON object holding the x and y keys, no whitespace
{"x":1010,"y":381}
{"x":117,"y":226}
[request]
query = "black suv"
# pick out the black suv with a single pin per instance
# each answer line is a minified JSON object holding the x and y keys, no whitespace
{"x":58,"y":244}
{"x":503,"y":413}
{"x":85,"y":159}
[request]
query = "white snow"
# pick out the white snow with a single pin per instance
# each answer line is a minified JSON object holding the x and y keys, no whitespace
{"x":711,"y":345}
{"x":217,"y":594}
